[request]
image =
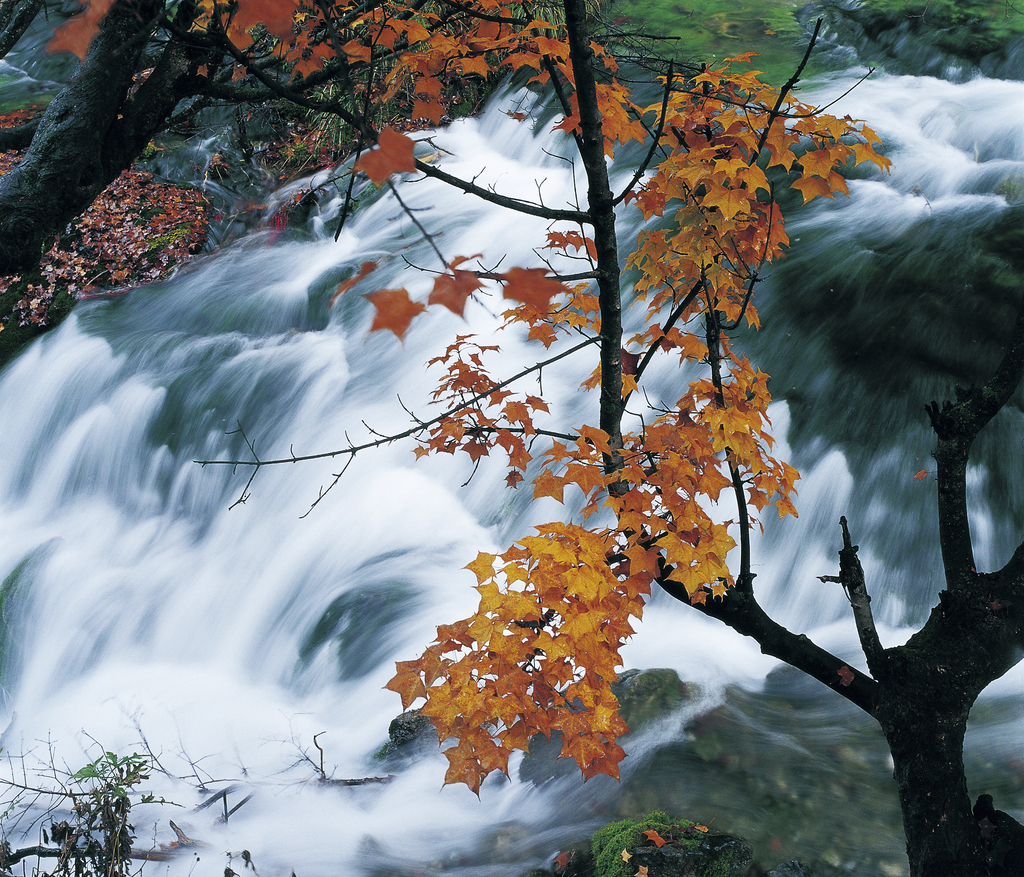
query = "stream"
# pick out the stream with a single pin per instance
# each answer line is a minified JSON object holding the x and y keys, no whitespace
{"x":145,"y":609}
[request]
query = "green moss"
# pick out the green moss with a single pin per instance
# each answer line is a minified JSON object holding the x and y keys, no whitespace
{"x":711,"y":30}
{"x":647,"y":695}
{"x":11,"y":590}
{"x":173,"y":236}
{"x":15,"y":96}
{"x":921,"y":37}
{"x":609,"y":841}
{"x":961,"y":26}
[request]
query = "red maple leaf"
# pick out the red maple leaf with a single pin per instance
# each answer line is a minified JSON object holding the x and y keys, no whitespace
{"x":77,"y":32}
{"x":920,"y":476}
{"x":395,"y":310}
{"x":392,"y":155}
{"x":845,"y":676}
{"x":531,"y":286}
{"x":346,"y":285}
{"x":275,"y":15}
{"x":453,"y":290}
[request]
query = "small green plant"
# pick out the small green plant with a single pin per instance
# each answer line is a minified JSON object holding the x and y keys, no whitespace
{"x":89,"y":832}
{"x":98,"y":840}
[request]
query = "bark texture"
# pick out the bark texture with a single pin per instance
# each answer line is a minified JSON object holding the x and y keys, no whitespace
{"x":93,"y":129}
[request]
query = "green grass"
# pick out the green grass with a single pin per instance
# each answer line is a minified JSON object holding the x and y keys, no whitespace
{"x":14,"y":97}
{"x":712,"y":30}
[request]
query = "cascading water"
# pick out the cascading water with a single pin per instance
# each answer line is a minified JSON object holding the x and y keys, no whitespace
{"x":140,"y":604}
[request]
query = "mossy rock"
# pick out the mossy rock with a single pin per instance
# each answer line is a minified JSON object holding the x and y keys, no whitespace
{"x":622,"y":848}
{"x":647,"y":695}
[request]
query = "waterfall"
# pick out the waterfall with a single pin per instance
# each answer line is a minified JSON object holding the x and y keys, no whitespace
{"x":144,"y":605}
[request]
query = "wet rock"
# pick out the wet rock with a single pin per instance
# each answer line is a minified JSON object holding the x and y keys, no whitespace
{"x":717,"y":855}
{"x":408,"y":734}
{"x":789,"y":869}
{"x":646,"y":695}
{"x":796,"y":868}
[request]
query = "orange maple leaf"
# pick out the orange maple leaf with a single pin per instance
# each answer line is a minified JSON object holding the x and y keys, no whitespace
{"x":546,"y":484}
{"x":453,"y":290}
{"x":395,"y":310}
{"x":812,"y":187}
{"x":346,"y":285}
{"x":482,"y":567}
{"x":408,"y":683}
{"x":276,"y":15}
{"x":394,"y":154}
{"x":77,"y":32}
{"x":531,"y":286}
{"x":658,"y":840}
{"x":920,"y":476}
{"x":431,"y":110}
{"x":463,"y":767}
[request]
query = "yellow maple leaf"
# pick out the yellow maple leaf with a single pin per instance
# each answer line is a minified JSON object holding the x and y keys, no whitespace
{"x":482,"y":567}
{"x":547,"y":484}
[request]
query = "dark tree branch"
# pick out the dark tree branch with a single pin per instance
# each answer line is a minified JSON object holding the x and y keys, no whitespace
{"x":740,"y":610}
{"x":15,"y":18}
{"x":601,"y":215}
{"x":851,"y":577}
{"x":655,"y":139}
{"x":18,"y":137}
{"x":419,"y":427}
{"x":792,"y":81}
{"x":956,"y":425}
{"x":527,"y":207}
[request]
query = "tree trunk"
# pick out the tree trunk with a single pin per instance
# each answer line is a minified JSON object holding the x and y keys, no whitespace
{"x":93,"y":130}
{"x":943,"y":839}
{"x":66,"y":167}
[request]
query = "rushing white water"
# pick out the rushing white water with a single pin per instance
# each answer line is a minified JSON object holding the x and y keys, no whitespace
{"x":143,"y":606}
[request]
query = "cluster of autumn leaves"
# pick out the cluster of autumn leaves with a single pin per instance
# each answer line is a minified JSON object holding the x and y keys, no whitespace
{"x":539,"y":654}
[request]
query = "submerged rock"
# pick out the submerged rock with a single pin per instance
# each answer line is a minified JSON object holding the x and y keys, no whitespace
{"x":644,"y":696}
{"x":647,"y":695}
